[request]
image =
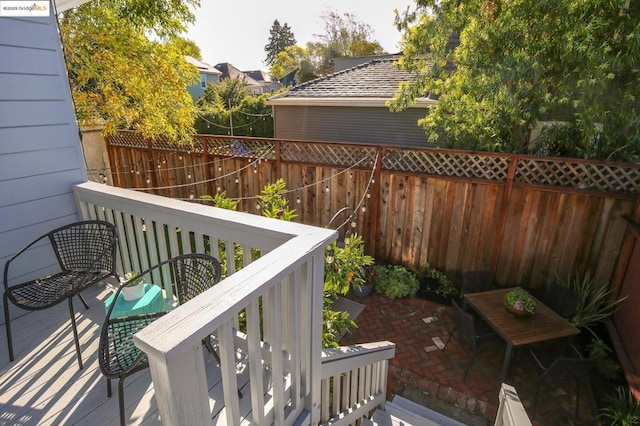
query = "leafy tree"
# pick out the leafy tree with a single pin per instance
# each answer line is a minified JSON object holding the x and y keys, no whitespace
{"x":344,"y":36}
{"x":230,"y":108}
{"x":519,"y":63}
{"x":280,"y":37}
{"x":293,"y":58}
{"x":120,"y":77}
{"x":188,"y":47}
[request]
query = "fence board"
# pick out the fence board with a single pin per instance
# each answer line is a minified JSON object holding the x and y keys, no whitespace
{"x":440,"y":207}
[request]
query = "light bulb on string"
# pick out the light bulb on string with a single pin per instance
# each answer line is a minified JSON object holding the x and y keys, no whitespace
{"x":148,"y":179}
{"x":347,"y":237}
{"x":364,"y":209}
{"x":368,"y":194}
{"x":188,"y":175}
{"x":330,"y":256}
{"x":237,"y":179}
{"x":159,"y":166}
{"x":219,"y":168}
{"x":191,"y":195}
{"x":218,"y":189}
{"x":326,"y":189}
{"x":354,"y":224}
{"x":298,"y":200}
{"x":351,"y":175}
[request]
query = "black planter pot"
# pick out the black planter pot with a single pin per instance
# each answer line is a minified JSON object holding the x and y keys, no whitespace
{"x":363,"y":290}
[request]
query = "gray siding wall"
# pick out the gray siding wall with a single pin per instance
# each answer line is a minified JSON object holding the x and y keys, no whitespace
{"x":350,"y":124}
{"x":40,"y":151}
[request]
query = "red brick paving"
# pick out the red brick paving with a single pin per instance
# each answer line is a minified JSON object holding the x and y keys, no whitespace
{"x":439,"y":373}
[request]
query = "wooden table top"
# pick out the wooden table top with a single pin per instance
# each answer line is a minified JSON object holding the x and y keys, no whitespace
{"x":544,"y":325}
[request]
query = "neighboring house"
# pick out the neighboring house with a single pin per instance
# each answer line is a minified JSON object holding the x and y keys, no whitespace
{"x":256,"y":86}
{"x":351,"y":106}
{"x":208,"y":75}
{"x":267,"y":83}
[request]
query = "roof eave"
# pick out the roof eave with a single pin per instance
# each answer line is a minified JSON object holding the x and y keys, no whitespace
{"x":343,"y":102}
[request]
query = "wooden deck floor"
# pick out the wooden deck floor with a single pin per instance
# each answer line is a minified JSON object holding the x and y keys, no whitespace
{"x":44,"y":385}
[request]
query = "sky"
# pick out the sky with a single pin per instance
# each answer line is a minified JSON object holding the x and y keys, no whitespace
{"x":236,"y":32}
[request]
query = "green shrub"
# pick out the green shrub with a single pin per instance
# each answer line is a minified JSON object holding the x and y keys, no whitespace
{"x":445,"y":287}
{"x":396,"y":281}
{"x":622,"y":409}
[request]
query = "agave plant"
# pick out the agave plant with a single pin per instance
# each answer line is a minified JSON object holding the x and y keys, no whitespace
{"x":596,"y":302}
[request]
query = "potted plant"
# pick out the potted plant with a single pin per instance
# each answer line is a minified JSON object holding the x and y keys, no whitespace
{"x":345,"y":266}
{"x":369,"y":276}
{"x":134,"y":287}
{"x":520,"y":303}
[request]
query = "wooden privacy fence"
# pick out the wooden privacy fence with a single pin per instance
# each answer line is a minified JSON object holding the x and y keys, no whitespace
{"x":525,"y":218}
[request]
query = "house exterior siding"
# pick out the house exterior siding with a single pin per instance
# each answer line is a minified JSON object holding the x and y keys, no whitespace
{"x":40,"y":151}
{"x":368,"y":125}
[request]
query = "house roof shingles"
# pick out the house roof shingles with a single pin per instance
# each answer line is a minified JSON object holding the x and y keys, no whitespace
{"x":375,"y":79}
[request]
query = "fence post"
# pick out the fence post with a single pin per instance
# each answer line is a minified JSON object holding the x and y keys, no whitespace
{"x":375,"y":201}
{"x":502,"y":219}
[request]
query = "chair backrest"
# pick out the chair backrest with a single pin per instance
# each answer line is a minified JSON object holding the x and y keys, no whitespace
{"x":561,"y":299}
{"x":195,"y":273}
{"x":476,"y":281}
{"x":568,"y":369}
{"x":465,"y":325}
{"x":85,"y":246}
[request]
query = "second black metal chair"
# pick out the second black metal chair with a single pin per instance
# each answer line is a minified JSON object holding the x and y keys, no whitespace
{"x":117,"y":355}
{"x":560,"y":366}
{"x":476,"y":281}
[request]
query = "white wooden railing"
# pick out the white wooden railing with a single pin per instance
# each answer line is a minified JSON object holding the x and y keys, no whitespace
{"x":511,"y":412}
{"x":275,"y":298}
{"x":354,"y":381}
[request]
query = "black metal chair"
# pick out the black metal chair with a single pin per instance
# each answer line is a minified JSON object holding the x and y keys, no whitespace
{"x":117,"y":355}
{"x":85,"y":253}
{"x":561,"y":299}
{"x":470,"y":333}
{"x":565,"y":365}
{"x":476,"y":281}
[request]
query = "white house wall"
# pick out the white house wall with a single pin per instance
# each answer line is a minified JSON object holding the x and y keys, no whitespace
{"x":40,"y":151}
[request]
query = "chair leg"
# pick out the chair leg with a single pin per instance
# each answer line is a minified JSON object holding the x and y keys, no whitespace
{"x":109,"y":393}
{"x":466,"y":373}
{"x":577,"y":398}
{"x":207,"y":343}
{"x":121,"y":401}
{"x":7,"y":324}
{"x":84,"y":302}
{"x":75,"y":332}
{"x":453,"y":330}
{"x":535,"y":401}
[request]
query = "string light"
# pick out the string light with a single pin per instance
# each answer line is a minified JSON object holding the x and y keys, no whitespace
{"x":191,"y":195}
{"x":298,"y":200}
{"x":330,"y":256}
{"x":326,"y":189}
{"x":237,"y":179}
{"x":347,"y":237}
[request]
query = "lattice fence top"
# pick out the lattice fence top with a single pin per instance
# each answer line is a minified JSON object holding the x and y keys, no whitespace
{"x":592,"y":176}
{"x":542,"y":171}
{"x":240,"y":147}
{"x":450,"y":164}
{"x":329,"y":154}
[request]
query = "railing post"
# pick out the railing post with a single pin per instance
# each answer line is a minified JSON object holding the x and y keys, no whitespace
{"x":312,"y":402}
{"x":180,"y":386}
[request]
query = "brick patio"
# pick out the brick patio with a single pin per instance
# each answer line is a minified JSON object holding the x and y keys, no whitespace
{"x":413,"y":324}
